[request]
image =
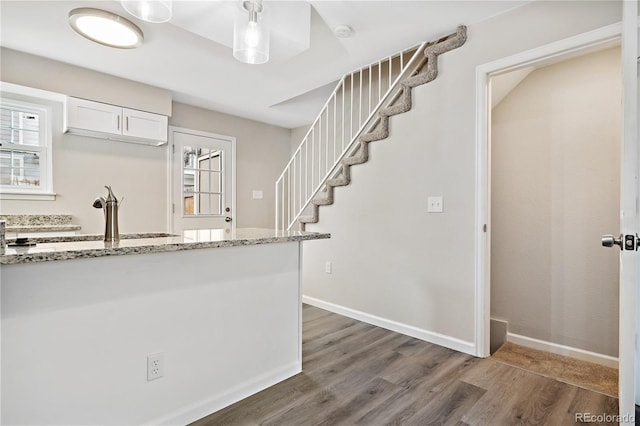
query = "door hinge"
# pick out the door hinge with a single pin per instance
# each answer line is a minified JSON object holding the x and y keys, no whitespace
{"x":484,"y":228}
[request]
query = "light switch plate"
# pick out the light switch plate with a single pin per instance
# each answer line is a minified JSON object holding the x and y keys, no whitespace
{"x":435,"y":204}
{"x":257,"y":194}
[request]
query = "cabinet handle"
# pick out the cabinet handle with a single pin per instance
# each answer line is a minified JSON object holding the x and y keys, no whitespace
{"x":126,"y":123}
{"x":118,"y":125}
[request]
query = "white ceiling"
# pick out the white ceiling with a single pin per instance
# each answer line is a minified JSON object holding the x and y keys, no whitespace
{"x":191,"y":55}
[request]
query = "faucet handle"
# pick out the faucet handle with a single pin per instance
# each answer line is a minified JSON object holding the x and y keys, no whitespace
{"x":110,"y":196}
{"x":99,"y":202}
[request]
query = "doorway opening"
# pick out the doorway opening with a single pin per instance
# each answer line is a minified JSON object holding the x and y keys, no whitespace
{"x":554,"y":290}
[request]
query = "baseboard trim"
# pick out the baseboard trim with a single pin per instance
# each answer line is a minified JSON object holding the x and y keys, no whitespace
{"x":428,"y":336}
{"x":555,"y":348}
{"x":217,"y":402}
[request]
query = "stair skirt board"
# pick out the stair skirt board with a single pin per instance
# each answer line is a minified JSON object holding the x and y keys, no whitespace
{"x":555,"y":348}
{"x":379,"y":129}
{"x":408,"y":330}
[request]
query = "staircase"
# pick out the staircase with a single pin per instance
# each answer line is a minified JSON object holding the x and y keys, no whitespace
{"x":356,"y":113}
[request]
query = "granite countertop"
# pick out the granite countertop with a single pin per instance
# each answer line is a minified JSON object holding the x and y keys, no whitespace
{"x":88,"y":246}
{"x":41,"y":228}
{"x":38,"y":223}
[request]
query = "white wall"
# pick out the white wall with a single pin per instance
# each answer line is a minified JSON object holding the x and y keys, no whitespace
{"x":76,"y":334}
{"x":555,"y":151}
{"x":390,"y":258}
{"x":82,"y":165}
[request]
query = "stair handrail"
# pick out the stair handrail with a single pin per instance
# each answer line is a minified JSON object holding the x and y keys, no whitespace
{"x":367,"y":123}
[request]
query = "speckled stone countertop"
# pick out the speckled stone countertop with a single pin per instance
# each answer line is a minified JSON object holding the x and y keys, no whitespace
{"x":80,"y":247}
{"x":38,"y":223}
{"x":41,"y":228}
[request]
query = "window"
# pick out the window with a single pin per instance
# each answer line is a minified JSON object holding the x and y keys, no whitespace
{"x":25,"y":150}
{"x":202,"y":179}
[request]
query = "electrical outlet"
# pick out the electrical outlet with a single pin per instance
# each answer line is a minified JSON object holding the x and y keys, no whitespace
{"x":435,"y":204}
{"x":327,"y":267}
{"x":155,"y":366}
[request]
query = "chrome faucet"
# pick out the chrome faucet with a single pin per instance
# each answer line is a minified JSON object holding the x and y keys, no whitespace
{"x":110,"y":207}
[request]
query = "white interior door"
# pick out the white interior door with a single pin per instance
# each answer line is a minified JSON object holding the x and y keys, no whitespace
{"x":202,"y":181}
{"x":629,"y":357}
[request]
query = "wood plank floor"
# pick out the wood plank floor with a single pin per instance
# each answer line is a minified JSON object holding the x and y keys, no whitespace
{"x":358,"y":374}
{"x":583,"y":374}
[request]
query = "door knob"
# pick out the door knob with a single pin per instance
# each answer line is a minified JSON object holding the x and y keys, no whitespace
{"x":610,"y":241}
{"x":227,"y":219}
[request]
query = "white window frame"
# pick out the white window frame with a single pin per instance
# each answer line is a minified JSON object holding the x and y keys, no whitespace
{"x":44,"y":150}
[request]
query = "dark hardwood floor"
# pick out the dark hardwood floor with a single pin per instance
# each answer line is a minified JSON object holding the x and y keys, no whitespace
{"x":358,"y":374}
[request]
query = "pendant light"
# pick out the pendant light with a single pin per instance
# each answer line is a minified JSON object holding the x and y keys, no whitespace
{"x":155,"y":11}
{"x":251,"y":36}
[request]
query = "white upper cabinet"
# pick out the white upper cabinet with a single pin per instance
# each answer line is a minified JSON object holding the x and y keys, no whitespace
{"x":106,"y":121}
{"x":140,"y":124}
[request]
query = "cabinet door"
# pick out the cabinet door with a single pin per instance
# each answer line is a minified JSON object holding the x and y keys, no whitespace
{"x":95,"y":116}
{"x":140,"y":124}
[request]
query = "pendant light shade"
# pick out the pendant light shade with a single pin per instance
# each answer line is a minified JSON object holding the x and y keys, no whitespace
{"x":155,"y":11}
{"x":251,"y":34}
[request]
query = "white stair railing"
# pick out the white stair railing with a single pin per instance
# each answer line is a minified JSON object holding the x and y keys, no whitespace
{"x":350,"y":109}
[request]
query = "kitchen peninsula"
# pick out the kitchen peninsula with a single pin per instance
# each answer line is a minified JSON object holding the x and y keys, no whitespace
{"x":221,"y":310}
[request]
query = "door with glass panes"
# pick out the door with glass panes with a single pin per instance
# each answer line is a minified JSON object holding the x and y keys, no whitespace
{"x":202,"y":181}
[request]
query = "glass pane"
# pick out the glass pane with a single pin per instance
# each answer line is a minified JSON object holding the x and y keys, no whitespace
{"x":216,"y":204}
{"x":188,"y":181}
{"x":188,"y":205}
{"x":203,"y":159}
{"x":216,"y":161}
{"x":203,"y":182}
{"x":19,"y":127}
{"x":189,"y":155}
{"x":204,"y":204}
{"x":216,"y":182}
{"x":19,"y":168}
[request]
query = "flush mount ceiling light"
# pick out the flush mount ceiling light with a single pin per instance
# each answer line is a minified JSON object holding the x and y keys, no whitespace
{"x":105,"y":28}
{"x":251,"y":37}
{"x":155,"y":11}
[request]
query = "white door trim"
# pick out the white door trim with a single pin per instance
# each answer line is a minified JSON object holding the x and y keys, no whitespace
{"x":170,"y":198}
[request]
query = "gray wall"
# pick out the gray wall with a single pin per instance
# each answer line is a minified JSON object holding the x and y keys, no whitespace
{"x":555,"y":190}
{"x":46,"y":74}
{"x":390,"y":258}
{"x":82,"y":165}
{"x":297,"y":135}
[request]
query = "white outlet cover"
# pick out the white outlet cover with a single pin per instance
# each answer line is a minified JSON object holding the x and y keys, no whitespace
{"x":435,"y":204}
{"x":155,"y":366}
{"x":257,"y":194}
